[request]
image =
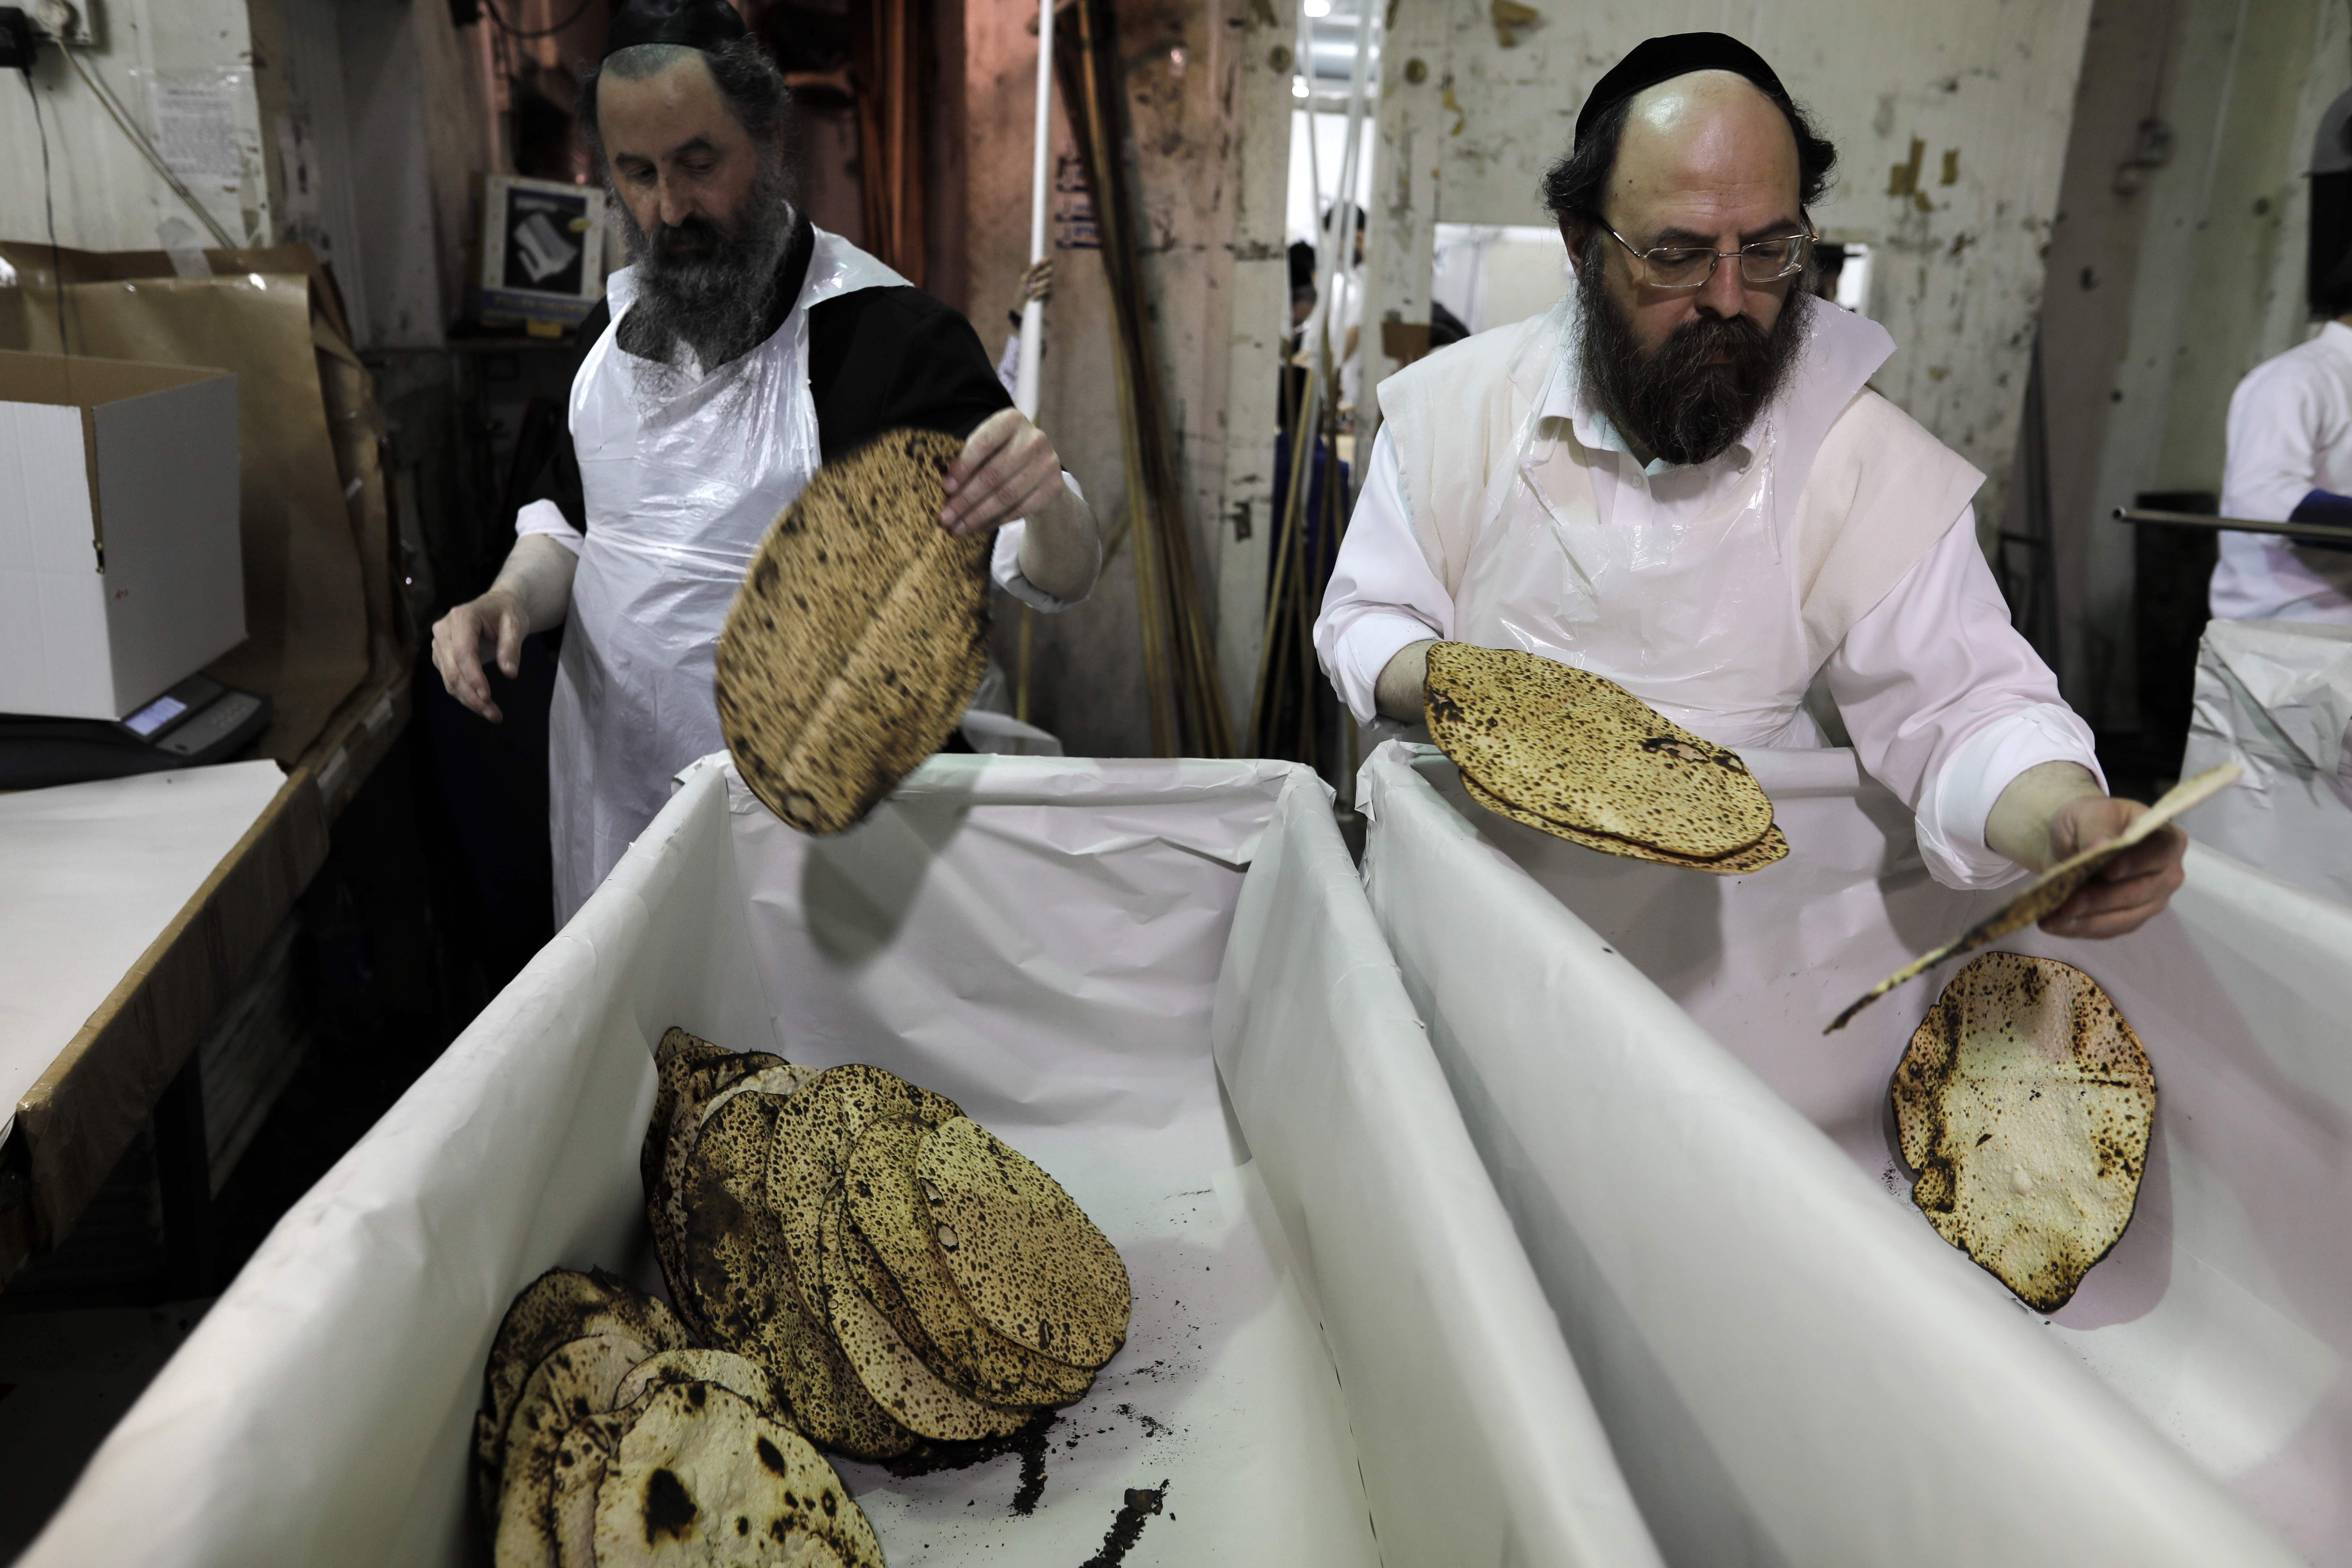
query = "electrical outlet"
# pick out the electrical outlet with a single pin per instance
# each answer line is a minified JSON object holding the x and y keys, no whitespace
{"x":73,"y":23}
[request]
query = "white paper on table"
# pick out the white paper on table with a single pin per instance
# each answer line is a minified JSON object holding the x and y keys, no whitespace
{"x":1793,"y":1366}
{"x":91,"y":875}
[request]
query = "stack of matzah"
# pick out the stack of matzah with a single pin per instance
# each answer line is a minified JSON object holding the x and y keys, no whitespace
{"x":852,"y":1263}
{"x":602,"y":1439}
{"x":1578,"y":757}
{"x":906,"y":1276}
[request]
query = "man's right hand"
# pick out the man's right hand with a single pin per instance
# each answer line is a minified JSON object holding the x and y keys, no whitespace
{"x":491,"y":627}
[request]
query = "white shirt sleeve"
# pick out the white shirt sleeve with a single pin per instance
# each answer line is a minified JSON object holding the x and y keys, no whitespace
{"x":1947,"y":704}
{"x":544,"y":516}
{"x":1008,"y":365}
{"x":1004,"y":561}
{"x":2275,"y":419}
{"x":1382,"y":593}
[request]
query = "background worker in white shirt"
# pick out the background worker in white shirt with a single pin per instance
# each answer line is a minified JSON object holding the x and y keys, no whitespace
{"x":2291,"y":428}
{"x":1628,"y":484}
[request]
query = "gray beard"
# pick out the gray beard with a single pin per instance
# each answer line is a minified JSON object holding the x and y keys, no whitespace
{"x":716,"y":305}
{"x":1670,"y":399}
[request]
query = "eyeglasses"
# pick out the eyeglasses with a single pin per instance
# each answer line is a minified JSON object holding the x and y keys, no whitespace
{"x":1683,"y":267}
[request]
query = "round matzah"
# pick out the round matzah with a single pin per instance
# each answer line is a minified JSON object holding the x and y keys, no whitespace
{"x":783,"y":1081}
{"x":865,"y":1268}
{"x":698,"y":1086}
{"x":2025,"y":1102}
{"x":580,"y":1459}
{"x":572,"y":1383}
{"x":736,"y":1373}
{"x":815,"y":1130}
{"x":737,"y":1271}
{"x":885,"y":1207}
{"x":1019,"y":1248}
{"x":859,"y":633}
{"x":678,"y":1054}
{"x":1583,"y":752}
{"x":893,"y":1373}
{"x":700,"y":1478}
{"x":1766,"y":850}
{"x":561,"y":1304}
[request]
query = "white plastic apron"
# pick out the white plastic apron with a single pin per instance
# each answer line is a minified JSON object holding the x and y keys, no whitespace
{"x":1698,"y":616}
{"x":680,"y":483}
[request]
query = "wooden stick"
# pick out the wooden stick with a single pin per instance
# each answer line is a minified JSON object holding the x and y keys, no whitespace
{"x":1294,"y":488}
{"x":1033,"y":312}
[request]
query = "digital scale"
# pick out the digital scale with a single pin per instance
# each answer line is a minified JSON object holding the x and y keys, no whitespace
{"x":198,"y":720}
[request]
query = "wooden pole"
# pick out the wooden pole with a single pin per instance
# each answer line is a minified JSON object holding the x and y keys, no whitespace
{"x":1033,"y":312}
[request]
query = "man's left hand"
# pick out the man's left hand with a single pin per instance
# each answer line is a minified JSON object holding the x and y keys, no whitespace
{"x":1008,"y":470}
{"x":2130,"y":889}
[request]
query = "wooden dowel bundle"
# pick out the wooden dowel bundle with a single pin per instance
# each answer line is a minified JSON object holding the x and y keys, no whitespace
{"x":1180,"y":661}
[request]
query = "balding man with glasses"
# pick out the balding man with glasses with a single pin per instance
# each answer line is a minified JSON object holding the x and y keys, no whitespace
{"x":1678,"y":479}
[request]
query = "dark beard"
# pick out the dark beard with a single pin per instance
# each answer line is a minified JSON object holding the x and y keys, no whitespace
{"x":704,"y":285}
{"x":1671,"y":400}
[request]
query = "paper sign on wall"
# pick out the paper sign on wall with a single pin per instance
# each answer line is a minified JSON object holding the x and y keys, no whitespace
{"x":195,"y":129}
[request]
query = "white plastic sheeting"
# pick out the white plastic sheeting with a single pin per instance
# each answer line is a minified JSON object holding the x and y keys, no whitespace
{"x":2276,"y":697}
{"x":1435,"y":1320}
{"x":1792,"y":1366}
{"x":1040,"y":939}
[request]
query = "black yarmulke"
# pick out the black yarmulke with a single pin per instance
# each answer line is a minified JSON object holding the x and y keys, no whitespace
{"x":1653,"y":61}
{"x":697,"y":24}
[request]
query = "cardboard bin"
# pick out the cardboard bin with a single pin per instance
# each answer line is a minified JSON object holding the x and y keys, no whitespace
{"x":120,"y":565}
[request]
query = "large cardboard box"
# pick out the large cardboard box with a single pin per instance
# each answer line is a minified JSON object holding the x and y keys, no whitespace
{"x":121,"y":570}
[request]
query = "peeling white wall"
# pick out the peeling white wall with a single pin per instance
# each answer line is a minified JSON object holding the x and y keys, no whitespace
{"x":2210,"y":246}
{"x":1183,"y":85}
{"x":355,"y":126}
{"x":1950,"y":122}
{"x":415,"y":164}
{"x":106,"y":196}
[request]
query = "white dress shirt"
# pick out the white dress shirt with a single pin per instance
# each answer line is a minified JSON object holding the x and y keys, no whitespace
{"x":1945,"y":703}
{"x":2290,"y":434}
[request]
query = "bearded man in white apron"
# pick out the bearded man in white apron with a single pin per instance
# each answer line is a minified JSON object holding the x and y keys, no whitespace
{"x":740,"y":348}
{"x":1678,"y":479}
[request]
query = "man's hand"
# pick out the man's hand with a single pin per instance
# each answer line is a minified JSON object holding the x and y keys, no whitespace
{"x":532,"y":593}
{"x":2131,"y":889}
{"x":1008,"y":471}
{"x":2057,"y":809}
{"x":1037,"y":283}
{"x":491,"y":627}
